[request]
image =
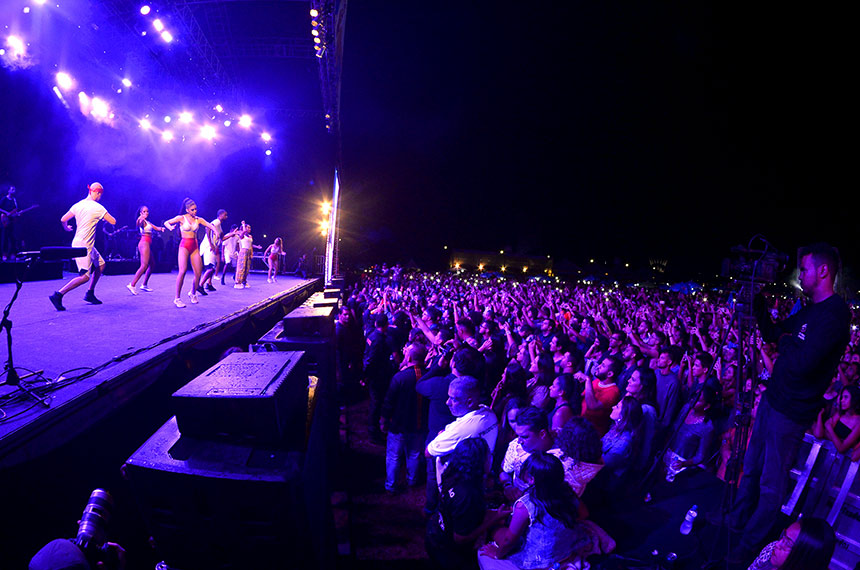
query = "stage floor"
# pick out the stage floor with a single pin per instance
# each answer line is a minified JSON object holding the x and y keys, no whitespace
{"x":123,"y":333}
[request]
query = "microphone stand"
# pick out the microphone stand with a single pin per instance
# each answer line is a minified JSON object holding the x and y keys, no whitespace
{"x":12,"y":377}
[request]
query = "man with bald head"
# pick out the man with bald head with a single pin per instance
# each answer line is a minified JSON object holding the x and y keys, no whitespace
{"x":87,"y":214}
{"x":473,"y":419}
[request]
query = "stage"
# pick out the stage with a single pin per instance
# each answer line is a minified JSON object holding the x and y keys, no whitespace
{"x":94,"y":359}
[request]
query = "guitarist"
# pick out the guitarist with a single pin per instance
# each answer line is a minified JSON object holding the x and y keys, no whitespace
{"x":9,"y":231}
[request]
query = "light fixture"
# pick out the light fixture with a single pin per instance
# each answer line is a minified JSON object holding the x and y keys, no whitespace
{"x":166,"y":136}
{"x":64,"y":81}
{"x":158,"y":25}
{"x":167,"y":36}
{"x":245,"y":121}
{"x":145,"y":10}
{"x":126,"y":81}
{"x":266,"y":137}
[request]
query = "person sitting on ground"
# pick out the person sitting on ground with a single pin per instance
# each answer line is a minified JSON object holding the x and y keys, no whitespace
{"x":807,"y":544}
{"x":463,"y":516}
{"x":545,"y":526}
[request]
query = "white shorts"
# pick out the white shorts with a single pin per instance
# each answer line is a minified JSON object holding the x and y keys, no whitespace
{"x":85,"y":264}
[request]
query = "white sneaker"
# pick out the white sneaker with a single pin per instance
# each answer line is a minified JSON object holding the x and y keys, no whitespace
{"x":145,"y":288}
{"x":238,"y":286}
{"x":193,"y":297}
{"x":269,"y":280}
{"x":131,"y":289}
{"x":247,"y":286}
{"x":179,"y":304}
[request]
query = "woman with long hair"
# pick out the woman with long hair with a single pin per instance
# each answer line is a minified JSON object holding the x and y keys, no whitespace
{"x":543,"y":370}
{"x":144,"y":248}
{"x":642,"y":385}
{"x":512,"y":385}
{"x":189,"y":249}
{"x":564,"y":393}
{"x":843,"y":427}
{"x":462,"y":516}
{"x":272,"y":256}
{"x":807,"y":544}
{"x":582,"y":452}
{"x":544,"y":527}
{"x":621,"y":442}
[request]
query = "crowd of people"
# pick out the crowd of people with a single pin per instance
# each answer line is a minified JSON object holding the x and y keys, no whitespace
{"x":531,"y":404}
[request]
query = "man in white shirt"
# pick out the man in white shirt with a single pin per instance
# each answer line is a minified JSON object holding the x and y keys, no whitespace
{"x":473,"y":420}
{"x":87,"y":213}
{"x":210,"y":251}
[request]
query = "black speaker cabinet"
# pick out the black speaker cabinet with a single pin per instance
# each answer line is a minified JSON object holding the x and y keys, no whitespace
{"x":256,"y":396}
{"x":309,"y":322}
{"x":220,"y":505}
{"x":319,"y":351}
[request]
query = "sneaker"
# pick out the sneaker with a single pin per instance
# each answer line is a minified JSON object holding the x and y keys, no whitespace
{"x":202,"y":291}
{"x":90,"y":298}
{"x":222,"y":281}
{"x":269,"y":280}
{"x":57,"y":300}
{"x":179,"y":304}
{"x":145,"y":288}
{"x":246,"y":286}
{"x":238,"y":286}
{"x":193,"y":297}
{"x":131,"y":289}
{"x":209,"y":287}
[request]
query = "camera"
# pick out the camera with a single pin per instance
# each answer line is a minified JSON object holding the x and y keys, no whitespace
{"x":92,"y":530}
{"x":753,"y":269}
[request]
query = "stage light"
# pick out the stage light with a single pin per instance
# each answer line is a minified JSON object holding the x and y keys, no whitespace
{"x":145,"y":124}
{"x":167,"y":36}
{"x":16,"y":44}
{"x":266,"y":137}
{"x":314,"y":23}
{"x":326,"y":208}
{"x":245,"y":121}
{"x":228,"y":122}
{"x":26,"y":9}
{"x":166,"y":136}
{"x":64,"y":81}
{"x":145,"y":10}
{"x":167,"y":119}
{"x":504,"y":267}
{"x":268,"y":152}
{"x":41,"y":2}
{"x":185,"y":117}
{"x":126,"y":81}
{"x":315,"y":33}
{"x":207,"y":132}
{"x":314,"y":13}
{"x":317,"y":41}
{"x":158,"y":25}
{"x":219,"y":108}
{"x":525,"y":268}
{"x":2,"y":51}
{"x":100,"y":109}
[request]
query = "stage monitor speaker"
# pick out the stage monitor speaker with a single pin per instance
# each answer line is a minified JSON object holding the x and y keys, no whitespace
{"x":309,"y":322}
{"x":319,"y":351}
{"x":331,"y":293}
{"x":333,"y":303}
{"x":219,"y":505}
{"x":258,"y":396}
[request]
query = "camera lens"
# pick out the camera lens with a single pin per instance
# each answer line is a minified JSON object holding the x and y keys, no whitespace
{"x":94,"y":521}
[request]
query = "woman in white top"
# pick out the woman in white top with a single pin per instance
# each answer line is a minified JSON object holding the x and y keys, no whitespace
{"x":188,"y":248}
{"x":246,"y":247}
{"x":144,"y":247}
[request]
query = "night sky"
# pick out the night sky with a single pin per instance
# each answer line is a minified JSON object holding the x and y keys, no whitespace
{"x":577,"y":130}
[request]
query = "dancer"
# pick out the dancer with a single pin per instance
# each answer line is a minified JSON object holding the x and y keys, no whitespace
{"x":144,"y":247}
{"x":210,"y":250}
{"x":246,"y":248}
{"x":230,"y":252}
{"x":188,"y":248}
{"x":272,"y":257}
{"x":87,"y":214}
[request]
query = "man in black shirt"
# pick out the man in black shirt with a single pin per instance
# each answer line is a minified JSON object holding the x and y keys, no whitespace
{"x":8,"y":227}
{"x":810,"y":344}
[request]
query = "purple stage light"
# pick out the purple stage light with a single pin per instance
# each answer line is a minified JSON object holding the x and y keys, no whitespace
{"x":219,"y":108}
{"x":185,"y":117}
{"x":158,"y":25}
{"x":166,"y":136}
{"x":167,"y":36}
{"x":266,"y":137}
{"x":245,"y":121}
{"x":228,"y":122}
{"x":167,"y":119}
{"x":64,"y":81}
{"x":16,"y":44}
{"x":268,"y":152}
{"x":127,"y":82}
{"x":145,"y":10}
{"x":26,"y":9}
{"x":208,"y":132}
{"x":145,"y":124}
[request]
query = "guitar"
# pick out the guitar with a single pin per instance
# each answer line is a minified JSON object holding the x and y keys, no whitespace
{"x":6,"y":217}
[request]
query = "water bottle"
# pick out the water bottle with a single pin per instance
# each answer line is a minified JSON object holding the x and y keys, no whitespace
{"x":687,"y":525}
